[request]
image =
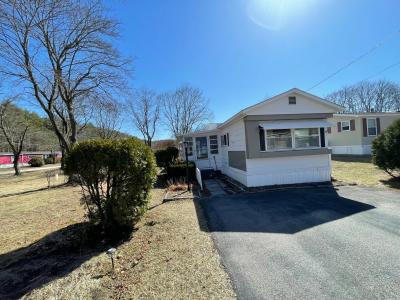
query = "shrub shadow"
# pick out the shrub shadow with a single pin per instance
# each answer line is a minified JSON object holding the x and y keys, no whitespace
{"x":54,"y":256}
{"x":393,"y":183}
{"x":34,"y":191}
{"x":201,"y":215}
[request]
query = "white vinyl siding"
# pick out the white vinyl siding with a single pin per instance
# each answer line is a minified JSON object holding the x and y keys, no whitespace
{"x":288,"y":170}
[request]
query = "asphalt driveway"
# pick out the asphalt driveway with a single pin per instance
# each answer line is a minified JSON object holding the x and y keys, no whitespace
{"x":317,"y":243}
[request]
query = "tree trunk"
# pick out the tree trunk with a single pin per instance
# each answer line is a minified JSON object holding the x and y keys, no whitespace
{"x":16,"y":166}
{"x":62,"y":158}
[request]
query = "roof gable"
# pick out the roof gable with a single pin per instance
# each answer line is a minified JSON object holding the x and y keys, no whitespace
{"x":279,"y":105}
{"x":305,"y":103}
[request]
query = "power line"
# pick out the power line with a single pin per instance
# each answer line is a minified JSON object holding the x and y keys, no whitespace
{"x":371,"y":50}
{"x":383,"y":70}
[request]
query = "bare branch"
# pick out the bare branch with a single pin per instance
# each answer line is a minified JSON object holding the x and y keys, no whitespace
{"x":13,"y":126}
{"x":62,"y":51}
{"x":185,"y":110}
{"x":145,"y":110}
{"x":368,"y":96}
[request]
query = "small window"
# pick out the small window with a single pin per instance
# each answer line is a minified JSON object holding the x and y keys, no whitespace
{"x":279,"y":139}
{"x":225,"y":140}
{"x":213,"y":144}
{"x":371,"y":125}
{"x":345,"y":125}
{"x":292,"y":100}
{"x":189,"y":141}
{"x":201,"y":147}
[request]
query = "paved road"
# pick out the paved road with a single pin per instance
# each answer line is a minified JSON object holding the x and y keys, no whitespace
{"x":29,"y":169}
{"x":310,"y":243}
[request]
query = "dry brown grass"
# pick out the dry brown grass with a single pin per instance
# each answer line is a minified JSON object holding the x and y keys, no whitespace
{"x":357,"y":169}
{"x":27,"y":217}
{"x":29,"y":181}
{"x":168,"y":256}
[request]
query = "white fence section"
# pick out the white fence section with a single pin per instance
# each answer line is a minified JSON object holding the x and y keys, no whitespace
{"x":198,"y":177}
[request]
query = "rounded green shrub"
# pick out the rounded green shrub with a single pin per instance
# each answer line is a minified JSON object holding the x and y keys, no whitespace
{"x":36,"y":162}
{"x":386,"y":149}
{"x":166,"y":156}
{"x":116,"y":177}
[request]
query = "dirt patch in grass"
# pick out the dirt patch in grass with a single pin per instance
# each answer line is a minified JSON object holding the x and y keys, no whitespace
{"x":167,"y":257}
{"x":358,"y":169}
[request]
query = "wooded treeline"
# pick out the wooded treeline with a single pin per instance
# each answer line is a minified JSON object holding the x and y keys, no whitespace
{"x":368,"y":96}
{"x":40,"y":135}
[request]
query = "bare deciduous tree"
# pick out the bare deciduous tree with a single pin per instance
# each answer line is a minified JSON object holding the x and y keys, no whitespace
{"x":185,"y":110}
{"x":107,"y":118}
{"x":13,"y":126}
{"x":61,"y":50}
{"x":145,"y":110}
{"x":368,"y":96}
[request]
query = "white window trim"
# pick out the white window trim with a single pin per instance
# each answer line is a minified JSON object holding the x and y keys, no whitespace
{"x":376,"y":127}
{"x":293,"y":142}
{"x":341,"y":125}
{"x":193,"y":146}
{"x":208,"y":148}
{"x":209,"y":145}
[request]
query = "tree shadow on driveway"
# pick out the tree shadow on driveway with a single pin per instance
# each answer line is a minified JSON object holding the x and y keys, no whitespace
{"x":285,"y":211}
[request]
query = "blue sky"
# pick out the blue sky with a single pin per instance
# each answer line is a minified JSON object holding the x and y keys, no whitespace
{"x":241,"y":51}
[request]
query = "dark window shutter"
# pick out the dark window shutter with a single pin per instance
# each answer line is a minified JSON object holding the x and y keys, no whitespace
{"x":329,"y":130}
{"x":365,"y":131}
{"x":352,"y":125}
{"x":378,"y":126}
{"x":322,"y":133}
{"x":227,"y":138}
{"x":339,"y":127}
{"x":262,"y":138}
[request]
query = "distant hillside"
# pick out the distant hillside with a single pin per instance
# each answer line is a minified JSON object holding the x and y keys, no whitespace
{"x":163,"y":144}
{"x":41,"y":137}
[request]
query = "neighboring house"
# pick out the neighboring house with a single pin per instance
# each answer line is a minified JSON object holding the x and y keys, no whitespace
{"x":278,"y":141}
{"x":354,"y":133}
{"x":7,"y":158}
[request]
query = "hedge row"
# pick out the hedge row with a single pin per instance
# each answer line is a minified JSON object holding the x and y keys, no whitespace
{"x":178,"y":170}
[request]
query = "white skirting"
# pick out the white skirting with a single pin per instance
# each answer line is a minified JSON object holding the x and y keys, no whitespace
{"x":352,"y":150}
{"x":288,"y":170}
